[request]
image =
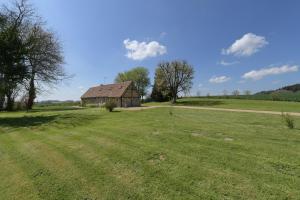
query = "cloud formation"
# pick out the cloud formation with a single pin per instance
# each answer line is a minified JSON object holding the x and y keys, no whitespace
{"x":246,"y":46}
{"x":219,"y":79}
{"x":141,"y":50}
{"x":224,"y":63}
{"x":259,"y":74}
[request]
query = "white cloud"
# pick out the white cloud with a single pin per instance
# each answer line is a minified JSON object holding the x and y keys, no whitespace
{"x":141,"y":50}
{"x":224,"y":63}
{"x":219,"y":79}
{"x":246,"y":46}
{"x":259,"y":74}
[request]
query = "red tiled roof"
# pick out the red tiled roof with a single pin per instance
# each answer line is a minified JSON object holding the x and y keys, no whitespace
{"x":110,"y":90}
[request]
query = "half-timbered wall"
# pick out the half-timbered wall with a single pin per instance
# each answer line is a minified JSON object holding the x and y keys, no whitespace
{"x":129,"y":99}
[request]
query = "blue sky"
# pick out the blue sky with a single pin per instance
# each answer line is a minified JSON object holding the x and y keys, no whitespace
{"x":233,"y":44}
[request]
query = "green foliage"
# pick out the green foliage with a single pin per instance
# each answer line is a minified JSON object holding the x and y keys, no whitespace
{"x":278,"y":106}
{"x":274,"y":96}
{"x":292,"y":88}
{"x":12,"y":57}
{"x":110,"y":105}
{"x":92,"y":105}
{"x":29,"y":53}
{"x":57,"y":103}
{"x":177,"y":76}
{"x":160,"y":90}
{"x":288,"y":120}
{"x":139,"y":76}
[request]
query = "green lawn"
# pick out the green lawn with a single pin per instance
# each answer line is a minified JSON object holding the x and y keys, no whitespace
{"x":161,"y":153}
{"x":237,"y":104}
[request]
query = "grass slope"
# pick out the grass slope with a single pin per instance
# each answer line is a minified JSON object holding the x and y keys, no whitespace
{"x":163,"y":153}
{"x":237,"y":104}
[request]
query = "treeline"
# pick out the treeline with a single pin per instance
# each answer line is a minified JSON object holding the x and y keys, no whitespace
{"x":171,"y":79}
{"x":30,"y":55}
{"x":289,"y":88}
{"x":292,"y":88}
{"x":283,"y":95}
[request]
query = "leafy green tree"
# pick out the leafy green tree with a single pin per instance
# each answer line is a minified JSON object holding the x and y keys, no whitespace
{"x":13,"y":69}
{"x":160,"y":91}
{"x":178,"y":76}
{"x":2,"y":94}
{"x":30,"y":55}
{"x":139,"y":76}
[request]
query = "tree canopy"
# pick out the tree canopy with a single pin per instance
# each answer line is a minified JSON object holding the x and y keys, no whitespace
{"x":178,"y":76}
{"x":139,"y":76}
{"x":29,"y":54}
{"x":160,"y":90}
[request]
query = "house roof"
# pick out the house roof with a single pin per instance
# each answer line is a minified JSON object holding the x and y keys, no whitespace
{"x":110,"y":90}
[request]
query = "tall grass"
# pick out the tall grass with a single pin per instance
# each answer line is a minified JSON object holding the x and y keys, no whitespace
{"x":288,"y":120}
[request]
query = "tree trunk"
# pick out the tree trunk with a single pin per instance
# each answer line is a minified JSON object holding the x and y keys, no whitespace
{"x":2,"y":99}
{"x":174,"y":98}
{"x":31,"y":94}
{"x":10,"y":102}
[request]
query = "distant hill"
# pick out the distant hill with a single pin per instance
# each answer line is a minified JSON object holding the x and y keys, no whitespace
{"x":57,"y":103}
{"x":289,"y":88}
{"x":292,"y":88}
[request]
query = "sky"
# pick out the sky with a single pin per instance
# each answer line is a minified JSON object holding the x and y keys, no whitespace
{"x":232,"y":44}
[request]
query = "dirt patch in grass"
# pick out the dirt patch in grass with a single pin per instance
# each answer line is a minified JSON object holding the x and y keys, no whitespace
{"x":157,"y":158}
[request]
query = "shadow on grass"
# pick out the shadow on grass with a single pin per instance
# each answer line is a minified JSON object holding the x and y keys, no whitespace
{"x":115,"y":111}
{"x":68,"y":120}
{"x":54,"y":108}
{"x":199,"y":103}
{"x":16,"y":122}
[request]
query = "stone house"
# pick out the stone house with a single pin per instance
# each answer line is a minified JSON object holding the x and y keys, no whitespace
{"x":123,"y":94}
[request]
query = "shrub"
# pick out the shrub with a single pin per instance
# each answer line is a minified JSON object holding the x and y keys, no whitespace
{"x":288,"y":120}
{"x":91,"y":105}
{"x":110,"y":105}
{"x":275,"y":96}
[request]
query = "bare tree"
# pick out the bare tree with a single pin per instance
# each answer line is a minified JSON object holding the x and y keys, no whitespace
{"x":45,"y":61}
{"x":247,"y":92}
{"x":178,"y":75}
{"x":236,"y":93}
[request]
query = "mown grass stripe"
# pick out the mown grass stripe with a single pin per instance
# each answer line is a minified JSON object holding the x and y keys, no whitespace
{"x":127,"y":158}
{"x":50,"y":181}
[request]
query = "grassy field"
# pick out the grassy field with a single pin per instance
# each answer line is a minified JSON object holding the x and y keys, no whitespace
{"x":282,"y":95}
{"x":284,"y":106}
{"x":162,"y":153}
